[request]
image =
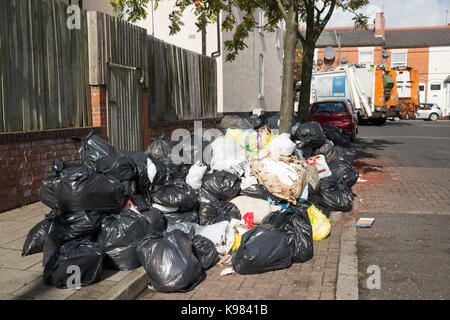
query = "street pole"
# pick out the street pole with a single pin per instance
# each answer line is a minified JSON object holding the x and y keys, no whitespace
{"x":339,"y":49}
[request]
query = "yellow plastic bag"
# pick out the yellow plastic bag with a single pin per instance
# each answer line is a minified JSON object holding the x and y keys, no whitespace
{"x":321,"y":225}
{"x":237,"y":242}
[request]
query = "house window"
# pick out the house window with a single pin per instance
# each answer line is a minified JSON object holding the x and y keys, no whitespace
{"x":435,"y":87}
{"x":398,"y":59}
{"x":365,"y":56}
{"x":261,"y":75}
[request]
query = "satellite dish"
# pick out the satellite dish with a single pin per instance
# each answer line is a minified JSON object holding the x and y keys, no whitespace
{"x":344,"y":60}
{"x":386,"y":54}
{"x":319,"y":61}
{"x":329,"y":53}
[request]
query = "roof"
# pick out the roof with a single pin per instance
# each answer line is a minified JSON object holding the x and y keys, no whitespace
{"x":394,"y":38}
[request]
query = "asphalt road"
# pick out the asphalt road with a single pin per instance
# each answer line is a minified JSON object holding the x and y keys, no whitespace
{"x":413,"y":143}
{"x":410,"y":250}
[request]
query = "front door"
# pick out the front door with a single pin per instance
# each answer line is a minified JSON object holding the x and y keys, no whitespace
{"x":435,"y":93}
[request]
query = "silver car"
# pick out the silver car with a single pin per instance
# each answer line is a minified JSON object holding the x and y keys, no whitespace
{"x":429,"y":111}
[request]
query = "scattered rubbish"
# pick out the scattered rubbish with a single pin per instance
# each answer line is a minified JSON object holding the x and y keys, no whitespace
{"x":257,"y":206}
{"x":364,"y":222}
{"x":227,"y":271}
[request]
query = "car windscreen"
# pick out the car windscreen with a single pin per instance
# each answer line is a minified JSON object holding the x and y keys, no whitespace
{"x":325,"y":107}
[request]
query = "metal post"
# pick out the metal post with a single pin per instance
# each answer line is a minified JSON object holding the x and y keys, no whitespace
{"x":339,"y":49}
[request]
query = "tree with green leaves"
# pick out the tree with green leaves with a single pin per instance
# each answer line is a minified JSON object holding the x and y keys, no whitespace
{"x":315,"y":14}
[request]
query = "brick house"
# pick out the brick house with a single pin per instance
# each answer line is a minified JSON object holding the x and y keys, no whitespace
{"x":426,"y":49}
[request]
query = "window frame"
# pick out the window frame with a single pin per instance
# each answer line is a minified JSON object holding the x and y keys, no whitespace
{"x":399,"y":51}
{"x":366,"y":49}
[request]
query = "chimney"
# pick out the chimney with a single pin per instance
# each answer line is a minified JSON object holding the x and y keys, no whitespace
{"x":379,"y":25}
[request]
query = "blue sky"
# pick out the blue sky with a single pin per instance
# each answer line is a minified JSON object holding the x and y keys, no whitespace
{"x":401,"y":13}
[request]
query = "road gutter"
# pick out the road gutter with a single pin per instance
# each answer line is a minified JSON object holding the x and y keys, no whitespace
{"x":347,"y":280}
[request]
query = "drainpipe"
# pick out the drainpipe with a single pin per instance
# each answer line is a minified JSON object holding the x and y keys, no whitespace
{"x":217,"y":53}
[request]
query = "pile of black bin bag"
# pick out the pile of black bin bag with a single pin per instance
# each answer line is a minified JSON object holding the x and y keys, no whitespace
{"x":113,"y":211}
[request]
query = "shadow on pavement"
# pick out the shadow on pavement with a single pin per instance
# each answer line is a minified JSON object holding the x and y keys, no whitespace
{"x":367,"y":150}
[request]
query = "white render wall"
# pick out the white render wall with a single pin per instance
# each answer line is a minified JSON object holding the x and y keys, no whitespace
{"x":438,"y":71}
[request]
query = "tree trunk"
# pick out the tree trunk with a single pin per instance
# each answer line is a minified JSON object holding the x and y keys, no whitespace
{"x":305,"y":89}
{"x":287,"y":91}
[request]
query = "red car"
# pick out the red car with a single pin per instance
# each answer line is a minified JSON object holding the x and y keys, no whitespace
{"x":335,"y":112}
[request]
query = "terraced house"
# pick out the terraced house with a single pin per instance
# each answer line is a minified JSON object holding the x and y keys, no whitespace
{"x":426,"y":49}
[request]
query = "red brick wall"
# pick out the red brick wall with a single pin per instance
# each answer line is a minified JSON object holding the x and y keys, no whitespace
{"x":26,"y":157}
{"x":99,"y":113}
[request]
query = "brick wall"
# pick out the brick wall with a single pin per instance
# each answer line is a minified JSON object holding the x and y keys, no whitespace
{"x":26,"y":157}
{"x":99,"y":114}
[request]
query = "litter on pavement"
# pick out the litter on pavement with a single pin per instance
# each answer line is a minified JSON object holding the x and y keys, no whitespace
{"x":257,"y":206}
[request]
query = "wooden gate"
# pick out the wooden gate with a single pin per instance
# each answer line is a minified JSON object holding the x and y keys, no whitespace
{"x":125,"y":123}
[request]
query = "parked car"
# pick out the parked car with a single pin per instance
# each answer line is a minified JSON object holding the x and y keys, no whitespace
{"x":336,"y":112}
{"x":428,"y":111}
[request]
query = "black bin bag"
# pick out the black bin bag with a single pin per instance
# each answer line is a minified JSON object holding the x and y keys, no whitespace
{"x":262,"y":249}
{"x":222,"y":185}
{"x":77,"y":188}
{"x":334,"y":194}
{"x":335,"y":135}
{"x":345,"y":154}
{"x":66,"y":260}
{"x":119,"y":237}
{"x":178,"y":217}
{"x":170,"y":263}
{"x":256,"y":191}
{"x":34,"y":243}
{"x":342,"y":169}
{"x":156,"y":221}
{"x":175,"y":194}
{"x":296,"y":226}
{"x":212,"y":210}
{"x":70,"y":226}
{"x":310,"y":134}
{"x":94,"y":148}
{"x":160,"y":148}
{"x":205,"y":251}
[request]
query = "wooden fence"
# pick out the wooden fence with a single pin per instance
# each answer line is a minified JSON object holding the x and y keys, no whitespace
{"x":182,"y":83}
{"x":46,"y":68}
{"x":43,"y":67}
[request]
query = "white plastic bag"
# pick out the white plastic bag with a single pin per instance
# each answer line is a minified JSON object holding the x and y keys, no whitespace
{"x":260,"y":208}
{"x":285,"y":173}
{"x":221,"y":233}
{"x":281,"y":145}
{"x":151,"y":170}
{"x":195,"y":175}
{"x":321,"y":164}
{"x":227,"y":153}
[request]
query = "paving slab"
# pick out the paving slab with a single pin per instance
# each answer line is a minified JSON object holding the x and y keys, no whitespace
{"x":38,"y":290}
{"x":14,"y":260}
{"x":12,"y":280}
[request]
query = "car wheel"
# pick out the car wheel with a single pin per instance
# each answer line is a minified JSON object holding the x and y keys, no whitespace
{"x":434,"y":116}
{"x":353,"y":136}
